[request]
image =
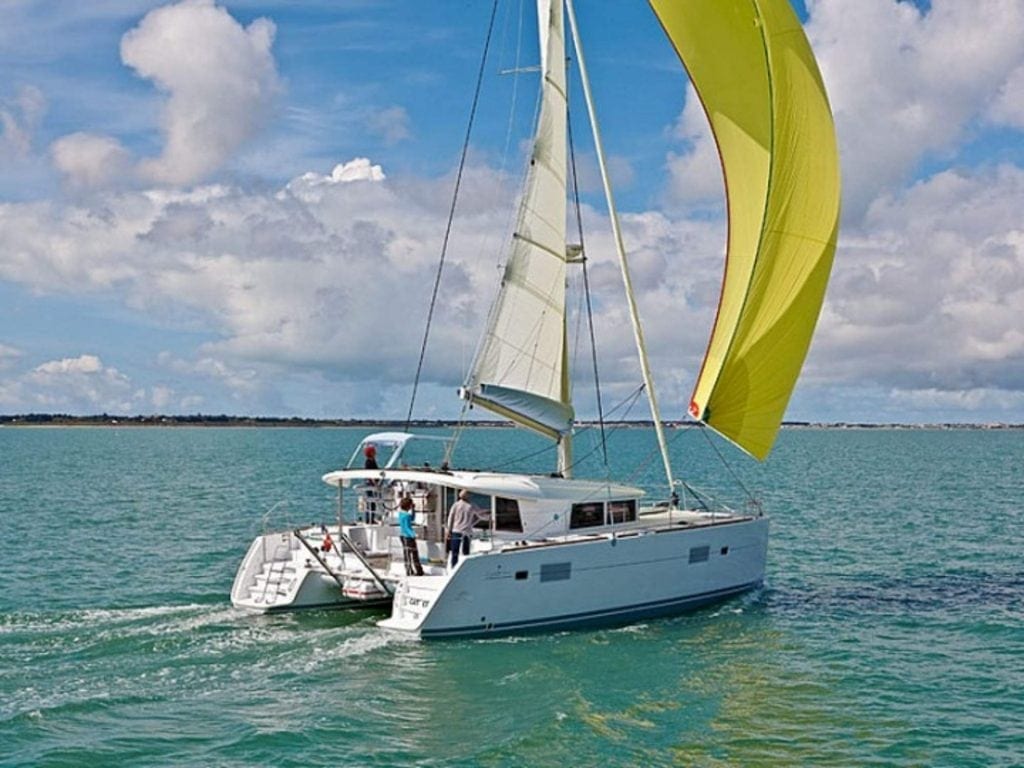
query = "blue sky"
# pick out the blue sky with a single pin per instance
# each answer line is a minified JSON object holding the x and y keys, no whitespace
{"x":238,"y":207}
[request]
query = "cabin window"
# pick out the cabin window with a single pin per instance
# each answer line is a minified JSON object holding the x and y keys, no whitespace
{"x":622,"y":511}
{"x":506,"y":515}
{"x":587,"y":515}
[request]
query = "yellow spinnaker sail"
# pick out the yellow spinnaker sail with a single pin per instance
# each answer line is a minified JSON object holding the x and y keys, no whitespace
{"x":756,"y":76}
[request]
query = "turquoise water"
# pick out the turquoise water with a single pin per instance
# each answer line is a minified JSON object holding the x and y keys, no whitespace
{"x":890,"y":630}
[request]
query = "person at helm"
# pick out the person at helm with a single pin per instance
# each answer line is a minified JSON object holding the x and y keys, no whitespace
{"x":370,"y":452}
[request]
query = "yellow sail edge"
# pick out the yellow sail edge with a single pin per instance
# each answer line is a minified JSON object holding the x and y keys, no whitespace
{"x":759,"y":83}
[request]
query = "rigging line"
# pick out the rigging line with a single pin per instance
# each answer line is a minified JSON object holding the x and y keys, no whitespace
{"x":451,"y":215}
{"x":586,"y":285}
{"x":516,"y":460}
{"x":488,"y":240}
{"x":628,"y":404}
{"x":649,"y":459}
{"x":725,"y":463}
{"x":508,"y":251}
{"x":460,"y":427}
{"x":515,"y":91}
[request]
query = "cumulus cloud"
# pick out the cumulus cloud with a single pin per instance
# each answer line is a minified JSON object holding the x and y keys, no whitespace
{"x":930,"y":295}
{"x":322,"y":285}
{"x":327,"y":281}
{"x":905,"y":85}
{"x":219,"y":78}
{"x":83,"y":364}
{"x":8,"y":356}
{"x":326,"y":274}
{"x":310,"y":186}
{"x":89,"y":160}
{"x":391,"y":124}
{"x":238,"y":379}
{"x":695,"y":174}
{"x":80,"y":384}
{"x":1008,"y":107}
{"x":19,"y":119}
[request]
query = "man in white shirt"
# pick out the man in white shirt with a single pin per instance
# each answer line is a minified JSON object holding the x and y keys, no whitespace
{"x":461,"y":518}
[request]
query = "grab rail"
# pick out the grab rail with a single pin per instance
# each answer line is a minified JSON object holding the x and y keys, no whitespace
{"x":366,"y":563}
{"x":341,"y":584}
{"x":314,"y":553}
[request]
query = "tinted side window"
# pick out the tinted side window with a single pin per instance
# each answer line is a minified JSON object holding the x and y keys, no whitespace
{"x":506,"y":515}
{"x":587,"y":515}
{"x":622,"y":511}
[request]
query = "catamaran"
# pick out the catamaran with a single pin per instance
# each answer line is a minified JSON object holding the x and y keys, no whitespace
{"x":559,"y":552}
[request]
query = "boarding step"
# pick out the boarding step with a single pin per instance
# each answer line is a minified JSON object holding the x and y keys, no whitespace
{"x":413,"y":602}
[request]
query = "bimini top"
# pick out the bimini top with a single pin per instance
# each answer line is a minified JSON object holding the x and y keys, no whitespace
{"x":396,"y":441}
{"x":505,"y":484}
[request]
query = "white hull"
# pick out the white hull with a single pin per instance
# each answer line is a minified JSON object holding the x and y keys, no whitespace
{"x":548,"y":553}
{"x":585,"y":582}
{"x":280,"y":573}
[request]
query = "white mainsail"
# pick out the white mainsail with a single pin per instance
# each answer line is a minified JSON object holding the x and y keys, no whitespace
{"x":520,"y":369}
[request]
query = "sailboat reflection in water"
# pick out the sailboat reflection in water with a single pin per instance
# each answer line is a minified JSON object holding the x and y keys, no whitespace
{"x":560,"y":552}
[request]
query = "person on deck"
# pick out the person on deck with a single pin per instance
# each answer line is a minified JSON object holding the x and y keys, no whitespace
{"x":370,"y":452}
{"x":408,"y":536}
{"x":461,"y":518}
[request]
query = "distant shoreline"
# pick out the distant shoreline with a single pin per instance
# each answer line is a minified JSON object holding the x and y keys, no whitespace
{"x":201,"y":420}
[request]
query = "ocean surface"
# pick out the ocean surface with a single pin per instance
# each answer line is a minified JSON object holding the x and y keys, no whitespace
{"x":889,"y":632}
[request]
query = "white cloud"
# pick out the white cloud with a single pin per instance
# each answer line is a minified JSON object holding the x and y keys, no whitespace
{"x":391,"y":124}
{"x":906,"y":84}
{"x":19,"y":119}
{"x":930,"y":294}
{"x":90,"y":161}
{"x":309,"y":186}
{"x":239,"y":380}
{"x":330,"y":277}
{"x":1008,"y":107}
{"x":219,"y":78}
{"x":8,"y":356}
{"x":695,"y":175}
{"x":332,"y":273}
{"x":81,"y":385}
{"x":961,"y":401}
{"x":82,"y":364}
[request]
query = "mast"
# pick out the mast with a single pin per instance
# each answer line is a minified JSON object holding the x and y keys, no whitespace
{"x":634,"y":316}
{"x":520,"y":370}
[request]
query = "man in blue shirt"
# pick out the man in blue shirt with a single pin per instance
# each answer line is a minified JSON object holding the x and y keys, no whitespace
{"x":408,"y":536}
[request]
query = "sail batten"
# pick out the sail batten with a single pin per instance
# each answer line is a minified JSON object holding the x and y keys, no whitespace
{"x":757,"y":79}
{"x":519,"y":369}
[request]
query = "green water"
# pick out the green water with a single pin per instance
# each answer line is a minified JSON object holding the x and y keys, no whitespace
{"x":890,"y":630}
